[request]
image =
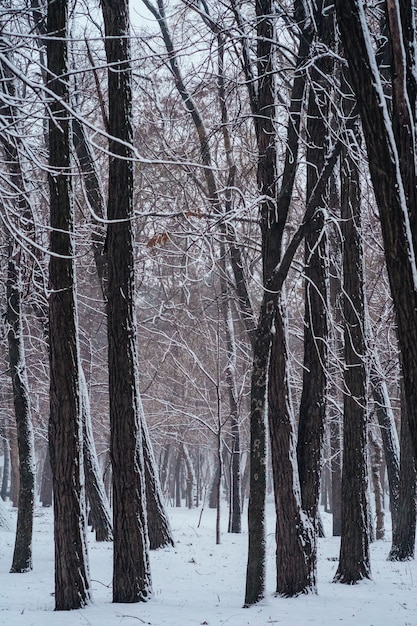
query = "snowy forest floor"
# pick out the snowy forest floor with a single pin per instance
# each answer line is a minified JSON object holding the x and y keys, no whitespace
{"x":199,"y":582}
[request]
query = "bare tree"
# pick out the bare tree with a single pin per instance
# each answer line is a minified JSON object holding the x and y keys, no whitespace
{"x":354,"y":563}
{"x":131,"y":570}
{"x":72,"y":585}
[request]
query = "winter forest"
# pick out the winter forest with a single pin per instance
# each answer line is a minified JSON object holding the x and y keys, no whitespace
{"x":208,"y":252}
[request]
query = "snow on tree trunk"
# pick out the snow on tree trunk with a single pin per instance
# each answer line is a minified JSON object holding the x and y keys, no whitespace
{"x":296,"y":556}
{"x":398,"y":220}
{"x":22,"y":555}
{"x":72,"y":584}
{"x":386,"y":420}
{"x":131,"y":568}
{"x":313,"y":397}
{"x":95,"y":491}
{"x":354,"y":563}
{"x":375,"y":469}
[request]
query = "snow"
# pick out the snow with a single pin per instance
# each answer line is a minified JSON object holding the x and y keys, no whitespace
{"x":199,"y":582}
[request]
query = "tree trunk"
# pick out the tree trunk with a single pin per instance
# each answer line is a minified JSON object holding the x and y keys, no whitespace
{"x":14,"y":469}
{"x":354,"y":561}
{"x":96,"y":493}
{"x":177,"y":479}
{"x":393,"y":178}
{"x":336,"y":471}
{"x":404,"y":533}
{"x":22,"y":555}
{"x":131,"y":571}
{"x":159,"y":528}
{"x":312,"y":412}
{"x":389,"y":436}
{"x":296,"y":557}
{"x":72,"y":584}
{"x":235,"y":510}
{"x":46,"y":481}
{"x":376,"y":465}
{"x":190,"y":479}
{"x":5,"y":486}
{"x":165,"y":465}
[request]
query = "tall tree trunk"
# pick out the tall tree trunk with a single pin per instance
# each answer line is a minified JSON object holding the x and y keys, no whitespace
{"x":404,"y":532}
{"x":72,"y":584}
{"x":313,"y":397}
{"x":354,"y":561}
{"x":131,"y":570}
{"x":22,"y":555}
{"x":274,"y":211}
{"x":296,"y":557}
{"x":392,"y":173}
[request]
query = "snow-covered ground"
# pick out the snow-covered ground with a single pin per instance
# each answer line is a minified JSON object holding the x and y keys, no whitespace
{"x":199,"y":582}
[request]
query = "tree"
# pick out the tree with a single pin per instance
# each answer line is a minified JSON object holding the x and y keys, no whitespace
{"x":131,"y":570}
{"x":354,"y":561}
{"x":314,"y":391}
{"x":72,"y":585}
{"x":391,"y":157}
{"x":22,"y":556}
{"x":404,"y":531}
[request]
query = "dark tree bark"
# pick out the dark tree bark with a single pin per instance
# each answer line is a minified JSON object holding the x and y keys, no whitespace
{"x":274,"y":211}
{"x":393,"y":186}
{"x":312,"y":411}
{"x":131,"y":570}
{"x":22,"y":555}
{"x":46,"y":481}
{"x":336,"y":469}
{"x":14,"y":468}
{"x":72,"y":585}
{"x":354,"y":561}
{"x":389,"y":435}
{"x":177,"y":479}
{"x":404,"y":532}
{"x":296,"y":544}
{"x":335,"y":409}
{"x":99,"y":507}
{"x":235,"y":508}
{"x":214,"y":486}
{"x":6,"y":469}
